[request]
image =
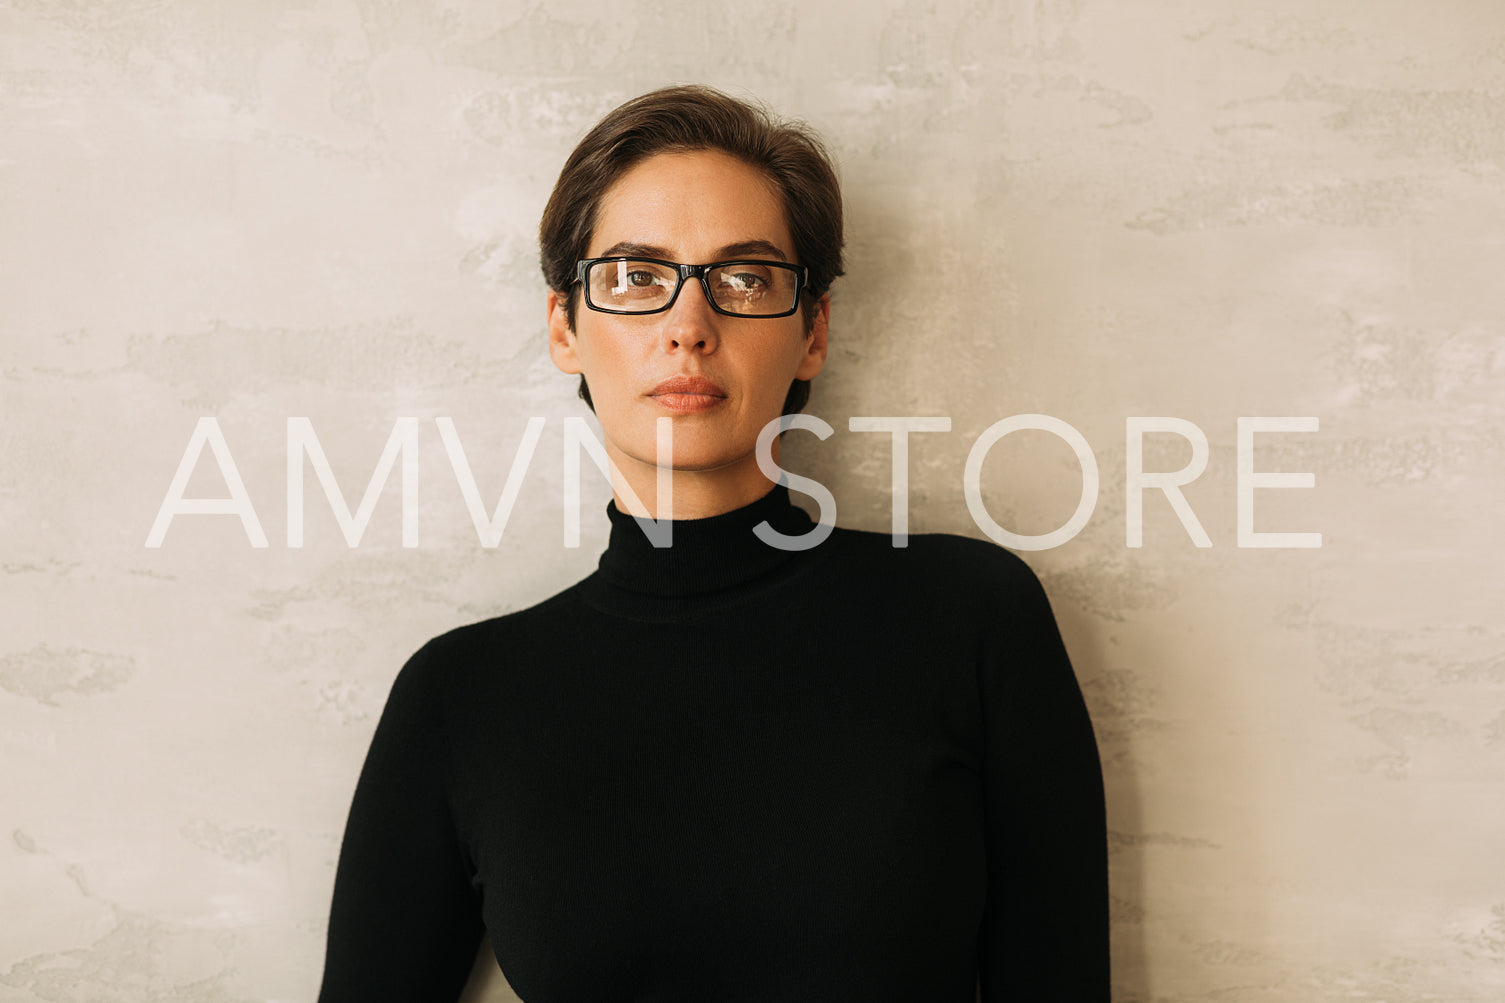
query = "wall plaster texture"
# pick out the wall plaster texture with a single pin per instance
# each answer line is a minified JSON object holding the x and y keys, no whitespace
{"x":1095,"y":211}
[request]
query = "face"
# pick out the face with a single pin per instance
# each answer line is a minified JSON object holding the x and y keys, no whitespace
{"x":733,"y":372}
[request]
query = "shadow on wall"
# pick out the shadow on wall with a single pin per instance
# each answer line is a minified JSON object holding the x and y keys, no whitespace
{"x":487,"y":983}
{"x":1090,"y":658}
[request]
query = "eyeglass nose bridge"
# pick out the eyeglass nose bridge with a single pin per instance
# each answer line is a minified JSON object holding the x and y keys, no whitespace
{"x":701,"y":272}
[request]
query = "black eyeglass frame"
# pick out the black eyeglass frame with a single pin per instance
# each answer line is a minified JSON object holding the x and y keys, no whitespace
{"x":802,"y":276}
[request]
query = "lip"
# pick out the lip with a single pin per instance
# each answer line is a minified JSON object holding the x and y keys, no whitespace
{"x":687,"y":394}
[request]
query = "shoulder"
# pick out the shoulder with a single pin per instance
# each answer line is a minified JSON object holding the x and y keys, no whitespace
{"x":457,"y":656}
{"x":954,"y":584}
{"x":511,"y":627}
{"x":942,"y":561}
{"x":969,"y":597}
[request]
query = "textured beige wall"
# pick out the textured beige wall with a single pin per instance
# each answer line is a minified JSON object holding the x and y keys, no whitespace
{"x":1205,"y":210}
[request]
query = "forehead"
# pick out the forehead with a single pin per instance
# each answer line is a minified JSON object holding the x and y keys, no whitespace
{"x":691,"y":205}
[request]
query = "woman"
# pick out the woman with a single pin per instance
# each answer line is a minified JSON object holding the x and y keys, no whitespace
{"x":725,"y":770}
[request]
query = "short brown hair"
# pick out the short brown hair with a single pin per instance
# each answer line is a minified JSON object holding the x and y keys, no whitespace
{"x":683,"y":119}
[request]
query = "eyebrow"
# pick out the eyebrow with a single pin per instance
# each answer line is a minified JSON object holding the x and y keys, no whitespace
{"x":737,"y":250}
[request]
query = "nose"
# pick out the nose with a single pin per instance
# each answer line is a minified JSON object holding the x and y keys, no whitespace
{"x":690,"y":324}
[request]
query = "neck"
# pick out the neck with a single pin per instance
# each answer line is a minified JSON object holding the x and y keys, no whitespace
{"x":691,"y":494}
{"x":709,"y":560}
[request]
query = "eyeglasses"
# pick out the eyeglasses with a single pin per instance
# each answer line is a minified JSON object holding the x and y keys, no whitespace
{"x":733,"y":288}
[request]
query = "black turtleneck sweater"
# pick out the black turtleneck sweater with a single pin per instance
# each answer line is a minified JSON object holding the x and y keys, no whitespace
{"x":727,"y":772}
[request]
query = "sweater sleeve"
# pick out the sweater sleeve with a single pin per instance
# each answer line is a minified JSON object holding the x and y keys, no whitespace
{"x":405,"y":921}
{"x":1044,"y":935}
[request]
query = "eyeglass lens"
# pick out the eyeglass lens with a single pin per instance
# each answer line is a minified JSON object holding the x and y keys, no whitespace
{"x":747,"y":288}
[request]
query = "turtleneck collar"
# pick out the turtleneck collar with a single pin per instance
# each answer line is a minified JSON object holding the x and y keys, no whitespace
{"x":705,"y":555}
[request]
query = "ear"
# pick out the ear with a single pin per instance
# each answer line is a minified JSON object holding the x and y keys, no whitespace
{"x":561,"y":338}
{"x":814,"y":359}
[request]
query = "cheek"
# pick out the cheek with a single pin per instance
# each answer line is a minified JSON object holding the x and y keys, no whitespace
{"x":791,"y":352}
{"x":600,"y":355}
{"x":776,"y":368}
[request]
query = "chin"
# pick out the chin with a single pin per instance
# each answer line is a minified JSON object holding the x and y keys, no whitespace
{"x":701,"y":460}
{"x":700,"y":449}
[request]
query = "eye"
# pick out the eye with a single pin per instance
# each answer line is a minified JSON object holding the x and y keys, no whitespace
{"x":750,"y":281}
{"x":631,"y":279}
{"x":745,"y":280}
